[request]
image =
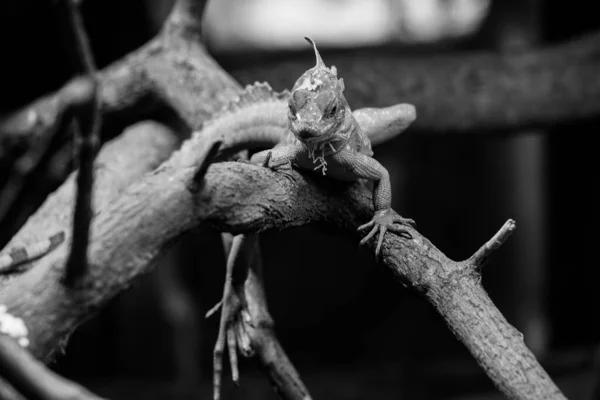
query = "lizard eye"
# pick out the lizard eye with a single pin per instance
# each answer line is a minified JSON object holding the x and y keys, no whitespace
{"x":292,"y":110}
{"x":332,"y":111}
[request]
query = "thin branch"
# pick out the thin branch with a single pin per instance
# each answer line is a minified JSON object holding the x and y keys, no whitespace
{"x":186,"y":18}
{"x":88,"y":147}
{"x":263,"y":341}
{"x":208,"y":159}
{"x":247,"y":325}
{"x":32,"y":379}
{"x":481,"y":256}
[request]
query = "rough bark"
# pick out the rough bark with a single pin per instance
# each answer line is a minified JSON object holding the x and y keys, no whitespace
{"x":130,"y":233}
{"x":50,"y":310}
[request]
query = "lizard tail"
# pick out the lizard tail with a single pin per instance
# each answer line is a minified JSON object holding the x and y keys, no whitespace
{"x":258,"y":117}
{"x":382,"y":124}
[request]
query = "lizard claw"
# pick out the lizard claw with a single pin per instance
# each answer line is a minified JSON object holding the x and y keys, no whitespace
{"x":282,"y":166}
{"x":382,"y":221}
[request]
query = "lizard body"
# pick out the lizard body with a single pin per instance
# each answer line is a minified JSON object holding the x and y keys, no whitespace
{"x":259,"y":116}
{"x":18,"y":256}
{"x":311,"y":128}
{"x":324,"y":135}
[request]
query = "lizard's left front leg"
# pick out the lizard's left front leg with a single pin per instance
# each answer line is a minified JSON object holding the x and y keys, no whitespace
{"x":385,"y":218}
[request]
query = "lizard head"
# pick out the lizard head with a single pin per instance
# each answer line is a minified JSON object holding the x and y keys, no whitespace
{"x":317,"y":106}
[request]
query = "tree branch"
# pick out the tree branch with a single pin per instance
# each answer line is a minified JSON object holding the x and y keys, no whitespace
{"x":134,"y":228}
{"x":475,"y":92}
{"x":147,"y":145}
{"x":32,"y":379}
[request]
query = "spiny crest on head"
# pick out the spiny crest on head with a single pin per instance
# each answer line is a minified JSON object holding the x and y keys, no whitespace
{"x":320,"y":63}
{"x":319,"y":77}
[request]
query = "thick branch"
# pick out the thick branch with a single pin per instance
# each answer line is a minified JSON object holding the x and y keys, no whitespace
{"x":471,"y":91}
{"x":147,"y":145}
{"x":133,"y":230}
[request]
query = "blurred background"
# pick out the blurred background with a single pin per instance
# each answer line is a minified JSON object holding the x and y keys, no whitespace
{"x":351,"y":330}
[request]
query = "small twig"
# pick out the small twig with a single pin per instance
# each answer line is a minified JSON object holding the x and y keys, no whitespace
{"x":186,"y":17}
{"x":90,"y":141}
{"x":208,"y":159}
{"x":32,"y":379}
{"x":480,"y":257}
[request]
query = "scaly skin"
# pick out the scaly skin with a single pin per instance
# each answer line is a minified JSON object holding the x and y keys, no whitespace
{"x":325,"y":136}
{"x":320,"y":134}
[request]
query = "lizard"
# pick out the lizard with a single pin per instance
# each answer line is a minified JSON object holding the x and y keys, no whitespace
{"x":18,"y":256}
{"x":311,"y":128}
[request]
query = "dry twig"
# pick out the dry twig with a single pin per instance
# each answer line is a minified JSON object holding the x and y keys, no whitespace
{"x":88,"y":147}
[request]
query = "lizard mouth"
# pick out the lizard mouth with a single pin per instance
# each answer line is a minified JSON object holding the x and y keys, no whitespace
{"x":307,"y":134}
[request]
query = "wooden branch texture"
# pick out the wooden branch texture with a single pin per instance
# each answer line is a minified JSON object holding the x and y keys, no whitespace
{"x":50,"y":310}
{"x":140,"y":210}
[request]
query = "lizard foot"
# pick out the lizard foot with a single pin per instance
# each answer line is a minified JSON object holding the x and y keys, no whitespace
{"x":283,"y":166}
{"x":383,"y":221}
{"x":232,"y":333}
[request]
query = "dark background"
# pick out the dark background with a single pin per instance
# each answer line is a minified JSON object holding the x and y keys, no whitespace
{"x":352,"y":331}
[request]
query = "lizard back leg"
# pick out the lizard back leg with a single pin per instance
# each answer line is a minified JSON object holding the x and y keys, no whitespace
{"x":231,"y":332}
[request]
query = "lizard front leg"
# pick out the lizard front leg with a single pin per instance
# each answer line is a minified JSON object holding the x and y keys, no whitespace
{"x":384,"y":219}
{"x":279,"y":158}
